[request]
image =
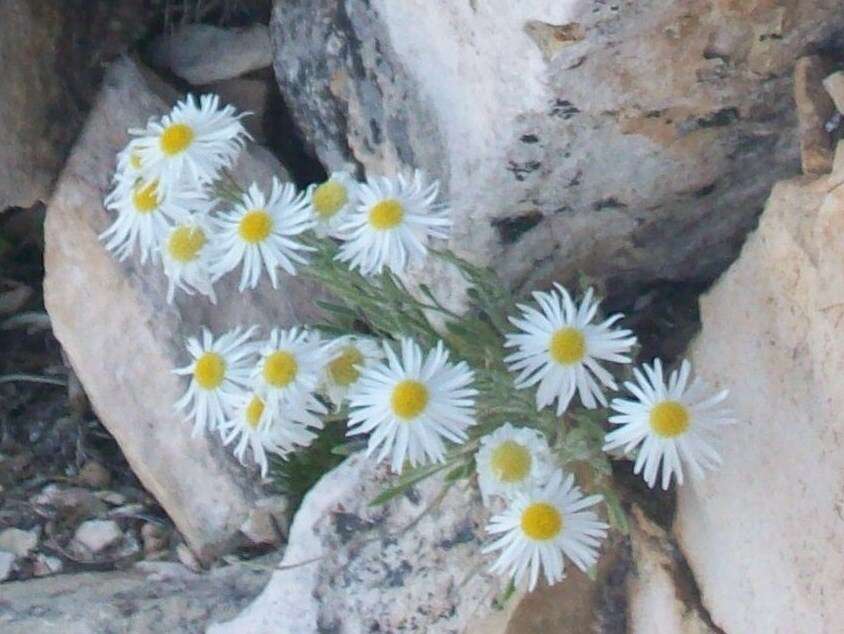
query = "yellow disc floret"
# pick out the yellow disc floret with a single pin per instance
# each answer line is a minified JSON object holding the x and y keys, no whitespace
{"x":329,"y":198}
{"x":567,"y":346}
{"x":344,"y":368}
{"x":280,"y":368}
{"x":176,"y":138}
{"x":185,"y":242}
{"x":510,"y":461}
{"x":409,"y":399}
{"x":209,"y":370}
{"x":255,"y":226}
{"x":386,"y":214}
{"x":254,"y":411}
{"x":669,"y":419}
{"x":145,"y":197}
{"x":541,"y":521}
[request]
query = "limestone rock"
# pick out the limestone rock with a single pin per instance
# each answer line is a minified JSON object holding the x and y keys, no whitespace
{"x":640,"y":145}
{"x":659,"y":597}
{"x":98,"y":535}
{"x":201,"y":53}
{"x":18,"y":542}
{"x":52,"y":54}
{"x":131,"y":602}
{"x":123,"y":339}
{"x":834,"y":85}
{"x":405,"y":566}
{"x":764,"y":534}
{"x":814,"y":110}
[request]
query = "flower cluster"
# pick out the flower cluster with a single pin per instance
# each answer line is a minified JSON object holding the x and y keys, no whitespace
{"x":497,"y":393}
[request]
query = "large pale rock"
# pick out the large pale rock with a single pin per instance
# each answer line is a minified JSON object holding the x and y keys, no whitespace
{"x":630,"y":140}
{"x":52,"y":52}
{"x":764,"y":534}
{"x":123,"y":339}
{"x":131,"y":602}
{"x":409,"y":565}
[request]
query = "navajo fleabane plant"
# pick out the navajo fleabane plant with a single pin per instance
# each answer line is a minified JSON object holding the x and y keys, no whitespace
{"x":469,"y":397}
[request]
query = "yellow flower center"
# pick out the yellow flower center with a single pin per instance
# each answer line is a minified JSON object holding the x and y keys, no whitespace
{"x":669,"y":419}
{"x":541,"y":521}
{"x":254,"y":411}
{"x":280,"y":368}
{"x":567,"y":346}
{"x":145,"y":197}
{"x":176,"y":138}
{"x":209,"y":370}
{"x":510,"y":461}
{"x":409,"y":399}
{"x":185,"y":243}
{"x":255,"y":226}
{"x":342,"y":369}
{"x":135,"y":161}
{"x":386,"y":214}
{"x":329,"y":198}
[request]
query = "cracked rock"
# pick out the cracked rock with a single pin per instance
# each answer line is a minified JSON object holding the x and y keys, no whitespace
{"x":763,"y":534}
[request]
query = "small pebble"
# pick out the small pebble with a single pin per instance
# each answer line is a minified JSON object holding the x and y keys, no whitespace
{"x":97,"y":535}
{"x":19,"y":542}
{"x":94,"y":475}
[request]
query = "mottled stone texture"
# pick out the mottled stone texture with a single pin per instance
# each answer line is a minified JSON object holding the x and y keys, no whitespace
{"x":162,"y":597}
{"x":764,"y":534}
{"x":411,"y":565}
{"x":631,"y":140}
{"x":123,"y":339}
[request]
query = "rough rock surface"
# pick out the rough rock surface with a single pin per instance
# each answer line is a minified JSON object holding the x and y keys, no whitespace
{"x":403,"y":566}
{"x":628,"y":140}
{"x":764,"y":534}
{"x":660,"y":599}
{"x":123,"y":339}
{"x":201,"y":53}
{"x":155,"y":597}
{"x":52,"y":51}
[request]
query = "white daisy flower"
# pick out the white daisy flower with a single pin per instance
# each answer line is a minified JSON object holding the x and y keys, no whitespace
{"x":219,"y":372}
{"x":191,"y":144}
{"x":510,"y":459}
{"x":263,"y":429}
{"x":392,"y":224}
{"x":290,"y":365}
{"x":560,"y":349}
{"x":673,"y":424}
{"x":258,"y":233}
{"x":144,"y":216}
{"x":542,"y":525}
{"x":187,"y":252}
{"x":347,"y":357}
{"x":330,"y":202}
{"x":412,"y":403}
{"x":128,"y":164}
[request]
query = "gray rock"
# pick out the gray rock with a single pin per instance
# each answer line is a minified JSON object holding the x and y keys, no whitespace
{"x":7,"y":564}
{"x":126,"y":361}
{"x":640,"y":146}
{"x":98,"y":535}
{"x":19,"y":542}
{"x":201,"y":53}
{"x":763,"y":535}
{"x":407,"y":566}
{"x":45,"y":565}
{"x":136,"y":601}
